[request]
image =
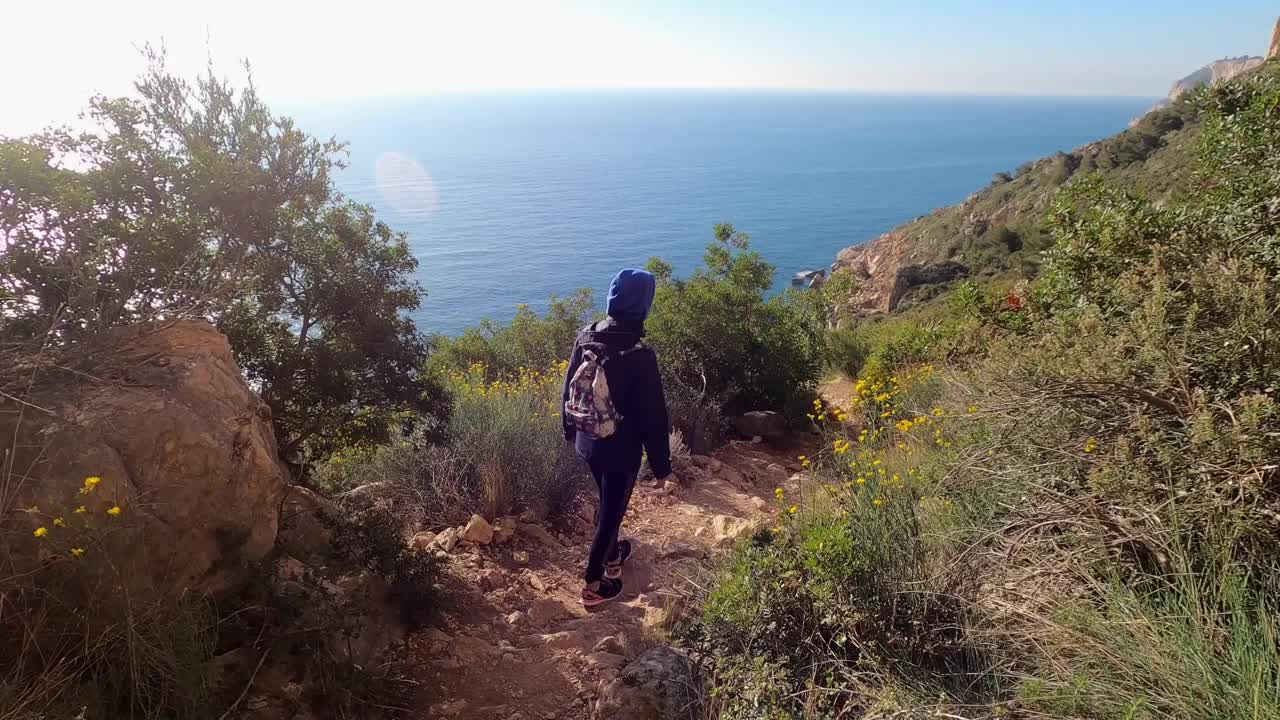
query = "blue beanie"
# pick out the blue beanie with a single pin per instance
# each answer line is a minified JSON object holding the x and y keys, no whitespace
{"x":631,"y":295}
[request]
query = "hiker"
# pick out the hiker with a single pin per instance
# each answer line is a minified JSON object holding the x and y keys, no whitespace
{"x":613,"y":409}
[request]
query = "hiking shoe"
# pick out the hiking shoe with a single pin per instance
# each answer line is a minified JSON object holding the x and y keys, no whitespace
{"x":609,"y":589}
{"x":613,"y":568}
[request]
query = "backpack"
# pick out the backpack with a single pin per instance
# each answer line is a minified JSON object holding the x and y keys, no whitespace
{"x":589,"y":408}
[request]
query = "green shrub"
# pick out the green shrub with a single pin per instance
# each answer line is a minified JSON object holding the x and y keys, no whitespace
{"x":847,"y":351}
{"x":864,"y":589}
{"x":528,"y":341}
{"x":718,"y":333}
{"x":195,"y":200}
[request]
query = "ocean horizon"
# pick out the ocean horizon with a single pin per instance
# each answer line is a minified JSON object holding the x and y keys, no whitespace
{"x":510,"y":198}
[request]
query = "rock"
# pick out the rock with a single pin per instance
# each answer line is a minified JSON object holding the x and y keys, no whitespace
{"x":423,"y":541}
{"x":491,"y":579}
{"x":706,"y":462}
{"x":306,"y":520}
{"x":537,"y":583}
{"x":658,"y":685}
{"x":732,"y":476}
{"x":564,"y":640}
{"x":515,"y":618}
{"x":700,"y":532}
{"x":521,"y":557}
{"x":725,"y":529}
{"x":179,"y":441}
{"x":378,"y":622}
{"x":760,"y":504}
{"x":478,"y":531}
{"x":546,"y":610}
{"x":679,"y":551}
{"x":438,"y":639}
{"x":448,"y":539}
{"x":290,"y":568}
{"x":472,"y":650}
{"x":610,"y":644}
{"x":1274,"y":50}
{"x":606,"y":660}
{"x":540,"y":534}
{"x":764,"y":423}
{"x":654,"y":617}
{"x":503,"y":530}
{"x":449,"y":709}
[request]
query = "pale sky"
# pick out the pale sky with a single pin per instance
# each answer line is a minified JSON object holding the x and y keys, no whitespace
{"x":56,"y":53}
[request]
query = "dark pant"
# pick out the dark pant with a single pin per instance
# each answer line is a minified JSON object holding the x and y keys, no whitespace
{"x":615,"y":492}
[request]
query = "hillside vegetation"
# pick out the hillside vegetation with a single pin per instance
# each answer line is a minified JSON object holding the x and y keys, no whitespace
{"x":999,"y":233}
{"x":1053,"y":490}
{"x":1056,"y":500}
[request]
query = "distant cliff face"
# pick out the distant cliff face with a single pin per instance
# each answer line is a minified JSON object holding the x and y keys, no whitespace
{"x":1217,"y":71}
{"x":998,"y":232}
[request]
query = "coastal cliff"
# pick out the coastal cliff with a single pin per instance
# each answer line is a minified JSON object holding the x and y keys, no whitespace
{"x":997,"y":234}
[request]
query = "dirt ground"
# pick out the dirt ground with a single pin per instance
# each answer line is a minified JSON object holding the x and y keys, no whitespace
{"x":516,"y":643}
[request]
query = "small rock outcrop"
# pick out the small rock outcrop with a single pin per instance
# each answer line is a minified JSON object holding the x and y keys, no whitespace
{"x":478,"y":531}
{"x":1274,"y":49}
{"x":1215,"y":72}
{"x":659,"y":685}
{"x":767,"y":424}
{"x":180,"y":442}
{"x":887,"y":268}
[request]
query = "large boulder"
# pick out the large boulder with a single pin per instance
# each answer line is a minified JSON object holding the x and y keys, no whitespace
{"x":180,"y":443}
{"x":659,"y":685}
{"x":767,"y":424}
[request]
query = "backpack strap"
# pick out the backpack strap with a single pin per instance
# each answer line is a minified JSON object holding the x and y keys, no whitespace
{"x":638,"y":346}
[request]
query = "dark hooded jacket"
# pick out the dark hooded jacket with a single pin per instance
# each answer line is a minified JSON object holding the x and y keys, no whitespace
{"x":636,"y":389}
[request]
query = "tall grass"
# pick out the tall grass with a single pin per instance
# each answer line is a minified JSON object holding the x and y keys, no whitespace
{"x":1193,"y":646}
{"x":84,"y":630}
{"x":505,"y":452}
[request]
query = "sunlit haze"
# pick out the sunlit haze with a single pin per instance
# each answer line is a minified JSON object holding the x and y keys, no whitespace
{"x":314,"y":52}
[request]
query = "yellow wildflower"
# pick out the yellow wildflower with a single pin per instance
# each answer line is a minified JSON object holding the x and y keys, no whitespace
{"x":804,"y":463}
{"x":937,"y":412}
{"x":904,"y":425}
{"x":1090,"y":445}
{"x":877,"y":502}
{"x":92,"y":481}
{"x":77,"y":551}
{"x":114,"y":510}
{"x":862,"y":481}
{"x":41,"y":531}
{"x":779,"y":493}
{"x":81,"y":510}
{"x":973,"y":409}
{"x":793,"y":509}
{"x":59,"y":522}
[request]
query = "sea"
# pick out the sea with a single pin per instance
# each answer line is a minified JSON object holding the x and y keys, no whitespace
{"x":511,"y":198}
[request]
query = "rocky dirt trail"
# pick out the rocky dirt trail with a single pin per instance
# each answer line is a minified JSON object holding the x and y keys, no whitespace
{"x":516,"y":644}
